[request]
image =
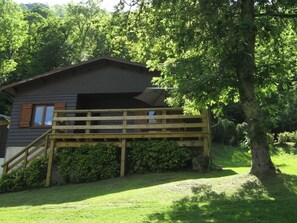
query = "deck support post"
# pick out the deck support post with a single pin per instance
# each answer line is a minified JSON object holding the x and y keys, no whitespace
{"x":206,"y":138}
{"x":50,"y":164}
{"x":123,"y":157}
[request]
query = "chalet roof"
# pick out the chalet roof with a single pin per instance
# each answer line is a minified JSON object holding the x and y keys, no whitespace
{"x":105,"y":60}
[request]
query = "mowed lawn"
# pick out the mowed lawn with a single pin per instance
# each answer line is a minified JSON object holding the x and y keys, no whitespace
{"x":229,"y":196}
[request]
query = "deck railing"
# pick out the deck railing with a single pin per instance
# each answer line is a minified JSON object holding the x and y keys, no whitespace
{"x":34,"y":150}
{"x":113,"y":124}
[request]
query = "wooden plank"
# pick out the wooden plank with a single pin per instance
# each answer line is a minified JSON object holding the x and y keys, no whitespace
{"x":78,"y":144}
{"x":134,"y":126}
{"x":123,"y":157}
{"x":115,"y":118}
{"x":118,"y":110}
{"x":50,"y":164}
{"x":187,"y":143}
{"x":128,"y":135}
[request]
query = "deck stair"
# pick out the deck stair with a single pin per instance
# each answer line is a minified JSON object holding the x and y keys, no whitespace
{"x":39,"y":147}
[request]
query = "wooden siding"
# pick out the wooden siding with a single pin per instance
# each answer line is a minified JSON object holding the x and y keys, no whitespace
{"x":3,"y":137}
{"x":20,"y":137}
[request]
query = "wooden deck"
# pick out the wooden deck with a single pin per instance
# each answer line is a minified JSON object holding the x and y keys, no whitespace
{"x":72,"y":128}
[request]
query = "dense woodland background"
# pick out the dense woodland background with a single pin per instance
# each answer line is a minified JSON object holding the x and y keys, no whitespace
{"x":36,"y":38}
{"x":237,"y":57}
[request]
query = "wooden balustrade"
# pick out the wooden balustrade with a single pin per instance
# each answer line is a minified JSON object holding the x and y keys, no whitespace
{"x":104,"y":122}
{"x":35,"y":149}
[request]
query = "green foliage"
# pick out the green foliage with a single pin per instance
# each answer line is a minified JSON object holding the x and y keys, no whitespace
{"x":33,"y":177}
{"x":35,"y":174}
{"x":14,"y":181}
{"x":287,"y":137}
{"x":88,"y":163}
{"x":12,"y":35}
{"x":157,"y":156}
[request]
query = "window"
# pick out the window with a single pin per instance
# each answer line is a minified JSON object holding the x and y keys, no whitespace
{"x":152,"y":120}
{"x":43,"y":115}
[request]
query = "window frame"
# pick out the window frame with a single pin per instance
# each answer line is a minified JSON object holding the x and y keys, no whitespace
{"x":44,"y":106}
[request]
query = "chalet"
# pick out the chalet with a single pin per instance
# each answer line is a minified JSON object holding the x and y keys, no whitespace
{"x":97,"y":101}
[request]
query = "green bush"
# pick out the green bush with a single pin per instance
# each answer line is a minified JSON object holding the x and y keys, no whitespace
{"x":157,"y":156}
{"x":88,"y":163}
{"x":36,"y":173}
{"x":224,"y":132}
{"x":287,"y":137}
{"x":33,"y":177}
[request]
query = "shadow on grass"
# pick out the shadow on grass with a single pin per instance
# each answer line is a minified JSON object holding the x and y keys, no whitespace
{"x":265,"y":200}
{"x":78,"y":192}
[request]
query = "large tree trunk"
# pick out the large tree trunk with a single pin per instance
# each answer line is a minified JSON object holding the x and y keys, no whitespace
{"x":245,"y":68}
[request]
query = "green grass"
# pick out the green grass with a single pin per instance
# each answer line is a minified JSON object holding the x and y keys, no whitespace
{"x":230,"y":195}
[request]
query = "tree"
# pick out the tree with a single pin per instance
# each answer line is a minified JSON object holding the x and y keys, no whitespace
{"x":213,"y":52}
{"x":86,"y":24}
{"x":12,"y":34}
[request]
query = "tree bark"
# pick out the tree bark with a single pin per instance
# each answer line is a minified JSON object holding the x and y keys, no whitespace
{"x":245,"y":69}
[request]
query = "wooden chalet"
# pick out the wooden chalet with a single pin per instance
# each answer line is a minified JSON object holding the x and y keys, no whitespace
{"x":97,"y":101}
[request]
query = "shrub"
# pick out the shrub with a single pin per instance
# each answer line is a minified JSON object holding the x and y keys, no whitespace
{"x":88,"y":163}
{"x":33,"y":177}
{"x":157,"y":156}
{"x":36,"y":173}
{"x":287,"y":137}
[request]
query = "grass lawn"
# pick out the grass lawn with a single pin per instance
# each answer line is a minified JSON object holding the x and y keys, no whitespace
{"x":230,"y":195}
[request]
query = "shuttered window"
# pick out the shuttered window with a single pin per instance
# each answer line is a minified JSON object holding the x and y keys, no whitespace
{"x":38,"y":115}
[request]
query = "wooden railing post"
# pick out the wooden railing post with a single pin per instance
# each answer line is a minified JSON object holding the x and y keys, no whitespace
{"x":89,"y":114}
{"x":26,"y":158}
{"x":124,"y":121}
{"x":164,"y":121}
{"x":46,"y":146}
{"x":5,"y":168}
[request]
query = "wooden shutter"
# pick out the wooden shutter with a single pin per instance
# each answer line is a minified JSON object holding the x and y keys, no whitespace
{"x":60,"y":106}
{"x":25,"y":116}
